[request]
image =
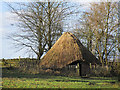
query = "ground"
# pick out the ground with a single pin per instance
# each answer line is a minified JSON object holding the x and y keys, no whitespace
{"x":14,"y":79}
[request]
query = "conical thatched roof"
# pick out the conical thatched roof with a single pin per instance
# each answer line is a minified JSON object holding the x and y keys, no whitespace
{"x":67,"y":50}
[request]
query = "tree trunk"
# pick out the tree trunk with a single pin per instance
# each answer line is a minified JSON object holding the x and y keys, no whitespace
{"x":100,"y":56}
{"x":40,"y":53}
{"x":49,"y":27}
{"x":106,"y":34}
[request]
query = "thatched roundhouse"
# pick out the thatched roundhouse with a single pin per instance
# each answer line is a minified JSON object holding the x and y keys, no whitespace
{"x":68,"y":53}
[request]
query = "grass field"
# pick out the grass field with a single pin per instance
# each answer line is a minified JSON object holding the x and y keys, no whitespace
{"x":14,"y":79}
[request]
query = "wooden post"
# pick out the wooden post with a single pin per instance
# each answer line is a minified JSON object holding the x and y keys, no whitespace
{"x":90,"y":66}
{"x":19,"y":58}
{"x":79,"y":72}
{"x":80,"y":69}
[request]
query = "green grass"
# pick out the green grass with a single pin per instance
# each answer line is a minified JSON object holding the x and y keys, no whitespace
{"x":15,"y":79}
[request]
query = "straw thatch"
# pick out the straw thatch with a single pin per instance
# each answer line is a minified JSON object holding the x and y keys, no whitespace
{"x":66,"y":50}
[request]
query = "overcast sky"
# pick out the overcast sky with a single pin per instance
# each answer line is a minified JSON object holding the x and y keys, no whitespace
{"x":6,"y":47}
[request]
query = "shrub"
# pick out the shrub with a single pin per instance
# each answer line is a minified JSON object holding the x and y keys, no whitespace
{"x":100,"y":71}
{"x":115,"y":70}
{"x":118,"y":71}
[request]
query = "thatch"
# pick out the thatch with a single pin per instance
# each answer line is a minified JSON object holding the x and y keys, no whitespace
{"x":67,"y":50}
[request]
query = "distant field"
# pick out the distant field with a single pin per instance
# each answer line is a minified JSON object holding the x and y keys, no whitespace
{"x":15,"y":79}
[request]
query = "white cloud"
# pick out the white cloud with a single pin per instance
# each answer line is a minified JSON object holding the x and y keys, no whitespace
{"x":0,"y":38}
{"x":7,"y":19}
{"x":0,"y":35}
{"x":5,"y":28}
{"x":0,"y":22}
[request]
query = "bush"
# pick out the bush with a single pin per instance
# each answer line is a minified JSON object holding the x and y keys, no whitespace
{"x":118,"y":71}
{"x":100,"y":71}
{"x":115,"y":71}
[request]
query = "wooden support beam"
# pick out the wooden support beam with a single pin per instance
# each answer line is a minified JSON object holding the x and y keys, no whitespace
{"x":79,"y":69}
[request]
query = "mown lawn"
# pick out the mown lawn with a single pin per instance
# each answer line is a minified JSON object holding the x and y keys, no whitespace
{"x":15,"y":79}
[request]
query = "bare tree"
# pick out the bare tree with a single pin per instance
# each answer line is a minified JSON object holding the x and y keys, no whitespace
{"x":99,"y":26}
{"x":40,"y":25}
